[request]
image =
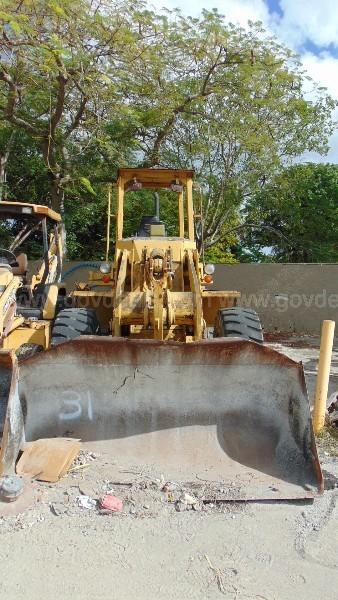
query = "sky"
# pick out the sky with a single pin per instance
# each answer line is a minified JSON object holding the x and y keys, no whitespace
{"x":309,"y":27}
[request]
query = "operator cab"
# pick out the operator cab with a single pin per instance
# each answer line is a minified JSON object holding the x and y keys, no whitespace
{"x":17,"y":264}
{"x":175,"y":186}
{"x":20,"y":221}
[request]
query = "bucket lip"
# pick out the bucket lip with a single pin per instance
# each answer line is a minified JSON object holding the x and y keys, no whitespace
{"x":215,"y":351}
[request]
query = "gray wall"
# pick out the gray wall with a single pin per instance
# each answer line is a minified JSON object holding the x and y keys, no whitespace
{"x":288,"y":297}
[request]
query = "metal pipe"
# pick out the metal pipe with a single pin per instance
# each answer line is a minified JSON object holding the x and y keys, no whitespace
{"x":157,"y":205}
{"x":44,"y":234}
{"x":58,"y":254}
{"x":323,"y":375}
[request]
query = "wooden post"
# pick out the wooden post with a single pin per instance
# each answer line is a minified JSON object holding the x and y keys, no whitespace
{"x":181,"y":214}
{"x":323,"y":375}
{"x":191,"y":228}
{"x":108,"y":223}
{"x":119,"y":209}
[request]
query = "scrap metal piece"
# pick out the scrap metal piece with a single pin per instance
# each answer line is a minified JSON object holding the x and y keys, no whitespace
{"x":225,"y":410}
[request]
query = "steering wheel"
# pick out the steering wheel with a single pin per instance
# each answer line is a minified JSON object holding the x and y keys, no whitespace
{"x":7,"y":258}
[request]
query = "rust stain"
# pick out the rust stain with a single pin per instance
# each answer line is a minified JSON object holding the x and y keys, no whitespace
{"x":148,"y":351}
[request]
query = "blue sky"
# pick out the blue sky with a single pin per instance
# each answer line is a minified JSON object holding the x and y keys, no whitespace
{"x":309,"y":27}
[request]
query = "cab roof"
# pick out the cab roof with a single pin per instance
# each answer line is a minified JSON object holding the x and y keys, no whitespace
{"x":28,"y":211}
{"x":154,"y":178}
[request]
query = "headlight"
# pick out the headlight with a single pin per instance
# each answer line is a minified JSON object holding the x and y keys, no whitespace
{"x":105,"y":268}
{"x":209,"y":269}
{"x":2,"y":289}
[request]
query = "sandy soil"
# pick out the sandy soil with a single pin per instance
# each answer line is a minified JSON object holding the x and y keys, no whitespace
{"x":266,"y":551}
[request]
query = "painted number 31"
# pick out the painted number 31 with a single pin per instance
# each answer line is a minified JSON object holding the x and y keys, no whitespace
{"x":76,"y":405}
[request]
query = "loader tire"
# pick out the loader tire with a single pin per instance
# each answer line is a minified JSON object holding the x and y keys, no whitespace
{"x":239,"y":322}
{"x":28,"y":350}
{"x":71,"y":323}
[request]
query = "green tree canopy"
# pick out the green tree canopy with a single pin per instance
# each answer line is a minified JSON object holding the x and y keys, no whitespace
{"x":90,"y":85}
{"x":296,"y":215}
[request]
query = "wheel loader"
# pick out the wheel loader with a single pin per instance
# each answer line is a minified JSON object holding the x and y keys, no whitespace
{"x":133,"y":369}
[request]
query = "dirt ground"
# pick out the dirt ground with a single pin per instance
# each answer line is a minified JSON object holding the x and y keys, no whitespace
{"x":266,"y":551}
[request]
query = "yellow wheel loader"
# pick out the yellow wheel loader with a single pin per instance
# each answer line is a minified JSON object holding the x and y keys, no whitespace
{"x":133,"y":370}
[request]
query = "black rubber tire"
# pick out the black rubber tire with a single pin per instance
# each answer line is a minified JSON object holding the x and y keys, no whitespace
{"x":239,"y":322}
{"x":27,"y":351}
{"x":71,"y":323}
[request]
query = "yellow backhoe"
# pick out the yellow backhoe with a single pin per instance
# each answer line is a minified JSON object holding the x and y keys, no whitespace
{"x":133,"y":370}
{"x":28,"y":304}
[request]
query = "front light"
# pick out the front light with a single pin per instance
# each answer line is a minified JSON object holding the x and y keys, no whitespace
{"x":2,"y":289}
{"x":209,"y":269}
{"x":105,"y":268}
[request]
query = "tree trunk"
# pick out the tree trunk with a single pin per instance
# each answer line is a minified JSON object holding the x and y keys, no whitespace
{"x":57,"y":194}
{"x":3,"y":166}
{"x":2,"y":177}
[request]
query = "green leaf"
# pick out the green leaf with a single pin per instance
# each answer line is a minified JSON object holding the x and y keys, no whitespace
{"x":87,"y":185}
{"x":15,"y":26}
{"x":57,"y":9}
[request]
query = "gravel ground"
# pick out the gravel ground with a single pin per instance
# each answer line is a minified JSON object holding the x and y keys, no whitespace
{"x":306,"y":349}
{"x":266,"y":551}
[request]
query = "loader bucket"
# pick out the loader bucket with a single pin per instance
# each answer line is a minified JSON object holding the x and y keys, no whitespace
{"x":225,"y":411}
{"x":11,"y":418}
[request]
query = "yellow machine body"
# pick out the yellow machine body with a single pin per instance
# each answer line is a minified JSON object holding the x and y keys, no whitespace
{"x":228,"y":413}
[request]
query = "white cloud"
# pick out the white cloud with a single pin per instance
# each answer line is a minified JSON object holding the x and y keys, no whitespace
{"x":323,"y":69}
{"x":308,"y":19}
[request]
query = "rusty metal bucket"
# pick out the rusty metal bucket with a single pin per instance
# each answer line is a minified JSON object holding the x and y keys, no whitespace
{"x":11,"y":418}
{"x":224,"y":411}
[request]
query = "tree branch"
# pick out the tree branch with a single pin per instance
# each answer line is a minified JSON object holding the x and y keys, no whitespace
{"x":78,"y":117}
{"x":60,"y":103}
{"x":11,"y":104}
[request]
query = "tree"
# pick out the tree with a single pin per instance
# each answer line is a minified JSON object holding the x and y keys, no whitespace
{"x":300,"y":204}
{"x":96,"y":84}
{"x":248,"y":116}
{"x":7,"y":138}
{"x":62,"y":69}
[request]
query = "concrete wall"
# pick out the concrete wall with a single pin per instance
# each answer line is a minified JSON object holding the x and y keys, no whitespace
{"x":288,"y":297}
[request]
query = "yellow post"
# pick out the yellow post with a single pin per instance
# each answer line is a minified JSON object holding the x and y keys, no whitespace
{"x":108,"y":223}
{"x":119,"y":209}
{"x":323,"y":375}
{"x":191,"y":228}
{"x":181,"y":214}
